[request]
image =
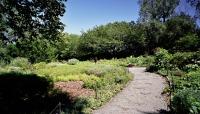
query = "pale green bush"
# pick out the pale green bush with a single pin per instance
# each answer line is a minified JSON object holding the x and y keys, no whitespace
{"x":72,"y":61}
{"x":21,"y":62}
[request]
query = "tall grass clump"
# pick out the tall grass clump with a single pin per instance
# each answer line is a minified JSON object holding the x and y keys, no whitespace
{"x":20,"y":62}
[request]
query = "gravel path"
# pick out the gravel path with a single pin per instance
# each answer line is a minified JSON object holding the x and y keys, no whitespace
{"x":141,"y":96}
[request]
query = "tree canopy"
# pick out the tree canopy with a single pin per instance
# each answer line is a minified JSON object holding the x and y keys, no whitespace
{"x":30,"y":18}
{"x":159,"y":10}
{"x":114,"y":39}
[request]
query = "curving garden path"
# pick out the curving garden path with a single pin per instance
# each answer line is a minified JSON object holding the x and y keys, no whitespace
{"x":141,"y":96}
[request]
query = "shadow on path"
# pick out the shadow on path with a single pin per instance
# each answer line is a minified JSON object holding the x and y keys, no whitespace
{"x":159,"y":112}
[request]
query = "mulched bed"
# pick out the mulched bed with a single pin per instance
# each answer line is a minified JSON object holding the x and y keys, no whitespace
{"x":74,"y":89}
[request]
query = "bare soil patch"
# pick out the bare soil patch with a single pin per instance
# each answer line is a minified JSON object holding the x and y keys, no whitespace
{"x":74,"y":89}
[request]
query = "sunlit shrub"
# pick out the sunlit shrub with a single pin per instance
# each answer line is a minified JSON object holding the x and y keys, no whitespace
{"x":162,"y":58}
{"x":114,"y":62}
{"x":39,"y":65}
{"x":99,"y":70}
{"x":2,"y":63}
{"x":72,"y":61}
{"x":191,"y":67}
{"x":140,"y":61}
{"x":21,"y":62}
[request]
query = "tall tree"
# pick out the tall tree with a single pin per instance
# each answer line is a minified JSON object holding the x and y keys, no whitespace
{"x":148,"y":10}
{"x":158,"y":10}
{"x":153,"y":32}
{"x":29,"y":18}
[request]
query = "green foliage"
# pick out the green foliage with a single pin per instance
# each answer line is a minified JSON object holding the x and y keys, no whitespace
{"x":106,"y":80}
{"x":185,"y":61}
{"x":117,"y":39}
{"x":5,"y":58}
{"x":140,"y":61}
{"x":188,"y":42}
{"x":186,"y":102}
{"x":191,"y":81}
{"x":109,"y":84}
{"x":62,"y":72}
{"x":72,"y":61}
{"x":37,"y":50}
{"x":153,"y":34}
{"x":182,"y":68}
{"x":178,"y":29}
{"x":99,"y":70}
{"x":181,"y":59}
{"x":178,"y":72}
{"x":12,"y":50}
{"x":191,"y":67}
{"x":68,"y":46}
{"x":156,"y":9}
{"x":21,"y":62}
{"x":95,"y":84}
{"x":25,"y":19}
{"x":162,"y":72}
{"x":129,"y":61}
{"x":39,"y":65}
{"x":114,"y":62}
{"x":162,"y":59}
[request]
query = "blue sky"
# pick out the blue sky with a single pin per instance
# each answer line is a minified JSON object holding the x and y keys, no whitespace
{"x":82,"y":15}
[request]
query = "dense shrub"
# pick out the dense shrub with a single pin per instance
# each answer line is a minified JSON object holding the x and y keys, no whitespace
{"x":186,"y":102}
{"x":114,"y":62}
{"x":4,"y":56}
{"x":140,"y":61}
{"x":20,"y":62}
{"x":67,"y":46}
{"x":39,"y":65}
{"x":72,"y":61}
{"x":191,"y":67}
{"x":185,"y":61}
{"x":119,"y":39}
{"x":181,"y":59}
{"x":153,"y":33}
{"x":193,"y":80}
{"x":37,"y":50}
{"x":178,"y":30}
{"x":189,"y":42}
{"x":182,"y":68}
{"x":129,"y":61}
{"x":162,"y":59}
{"x":99,"y":70}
